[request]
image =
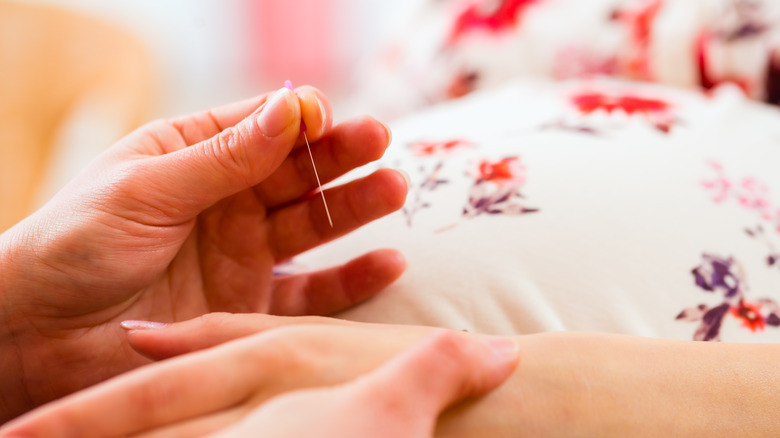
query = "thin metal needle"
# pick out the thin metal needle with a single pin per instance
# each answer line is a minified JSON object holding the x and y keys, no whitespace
{"x":316,"y":175}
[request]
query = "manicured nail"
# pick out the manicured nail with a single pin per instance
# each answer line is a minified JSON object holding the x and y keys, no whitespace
{"x":406,"y":178}
{"x":133,"y":324}
{"x":504,"y":349}
{"x":277,"y":113}
{"x":323,"y":113}
{"x":389,"y":134}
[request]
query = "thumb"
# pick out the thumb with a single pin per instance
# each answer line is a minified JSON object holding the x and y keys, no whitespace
{"x":443,"y":369}
{"x":235,"y":159}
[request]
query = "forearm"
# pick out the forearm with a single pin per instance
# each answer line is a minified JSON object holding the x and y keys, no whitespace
{"x":578,"y":384}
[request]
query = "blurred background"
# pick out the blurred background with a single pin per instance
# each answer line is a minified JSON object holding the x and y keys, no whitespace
{"x":75,"y":75}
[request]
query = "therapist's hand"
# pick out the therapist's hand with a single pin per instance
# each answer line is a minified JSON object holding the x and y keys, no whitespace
{"x":180,"y":218}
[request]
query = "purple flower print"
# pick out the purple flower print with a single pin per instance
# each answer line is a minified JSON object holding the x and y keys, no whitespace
{"x":496,"y":188}
{"x":431,"y":182}
{"x":431,"y":175}
{"x":773,"y":259}
{"x":715,"y":275}
{"x":724,"y":276}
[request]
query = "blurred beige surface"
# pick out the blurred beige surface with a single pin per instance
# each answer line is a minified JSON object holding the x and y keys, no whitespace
{"x":52,"y":61}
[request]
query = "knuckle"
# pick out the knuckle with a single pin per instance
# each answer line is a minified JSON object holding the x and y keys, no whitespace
{"x":227,"y":151}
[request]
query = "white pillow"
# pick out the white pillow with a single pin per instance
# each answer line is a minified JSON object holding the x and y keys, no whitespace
{"x":529,"y":212}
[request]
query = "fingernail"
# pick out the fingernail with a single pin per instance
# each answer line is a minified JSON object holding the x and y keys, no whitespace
{"x":277,"y":113}
{"x":406,"y":178}
{"x":133,"y":324}
{"x":389,"y":134}
{"x":323,"y":113}
{"x":504,"y":349}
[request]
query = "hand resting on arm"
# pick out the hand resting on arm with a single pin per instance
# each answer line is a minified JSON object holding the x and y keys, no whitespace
{"x":231,"y":390}
{"x":183,"y":217}
{"x":566,"y":384}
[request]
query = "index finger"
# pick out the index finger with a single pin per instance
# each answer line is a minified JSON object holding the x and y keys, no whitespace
{"x":316,"y":113}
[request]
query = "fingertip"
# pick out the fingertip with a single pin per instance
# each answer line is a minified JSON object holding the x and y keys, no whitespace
{"x":316,"y":111}
{"x":377,"y":133}
{"x":502,"y":358}
{"x":394,"y":187}
{"x":277,"y":113}
{"x":371,"y":273}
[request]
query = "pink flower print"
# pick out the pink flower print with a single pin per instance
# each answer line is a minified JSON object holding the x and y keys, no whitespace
{"x":750,"y":315}
{"x":493,"y":16}
{"x":440,"y":148}
{"x":573,"y":62}
{"x":754,"y":195}
{"x":720,"y":186}
{"x":751,"y":194}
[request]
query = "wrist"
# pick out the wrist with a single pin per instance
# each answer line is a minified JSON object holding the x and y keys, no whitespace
{"x":14,"y":397}
{"x":587,"y":384}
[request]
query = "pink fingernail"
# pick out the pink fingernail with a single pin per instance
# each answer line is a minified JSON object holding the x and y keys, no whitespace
{"x":276,"y":114}
{"x":389,"y":134}
{"x":133,"y":324}
{"x":288,"y":84}
{"x":407,"y":178}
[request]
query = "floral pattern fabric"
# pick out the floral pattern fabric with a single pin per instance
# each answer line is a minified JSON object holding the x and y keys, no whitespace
{"x":454,"y":47}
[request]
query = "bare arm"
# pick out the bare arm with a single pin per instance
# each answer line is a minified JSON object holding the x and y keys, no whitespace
{"x":567,"y":384}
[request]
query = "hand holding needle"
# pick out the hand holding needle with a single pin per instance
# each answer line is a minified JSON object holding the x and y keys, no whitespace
{"x":288,"y":84}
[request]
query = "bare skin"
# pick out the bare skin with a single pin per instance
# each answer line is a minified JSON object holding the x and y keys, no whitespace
{"x":567,"y":384}
{"x":180,"y":218}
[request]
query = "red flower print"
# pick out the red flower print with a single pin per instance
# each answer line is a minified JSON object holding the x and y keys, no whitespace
{"x":707,"y":79}
{"x":772,"y":87}
{"x":438,"y":148}
{"x":496,"y":189}
{"x":589,"y":102}
{"x":750,"y":315}
{"x":504,"y":15}
{"x":639,"y":21}
{"x":505,"y":172}
{"x":462,"y":84}
{"x":658,"y":112}
{"x":724,"y":275}
{"x":575,"y":62}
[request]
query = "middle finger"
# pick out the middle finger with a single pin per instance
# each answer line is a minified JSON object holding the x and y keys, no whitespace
{"x":348,"y":145}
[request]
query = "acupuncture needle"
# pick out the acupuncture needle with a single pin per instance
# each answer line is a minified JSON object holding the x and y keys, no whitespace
{"x":288,"y":84}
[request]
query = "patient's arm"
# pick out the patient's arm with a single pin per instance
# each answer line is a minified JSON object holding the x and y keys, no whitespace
{"x":567,"y":384}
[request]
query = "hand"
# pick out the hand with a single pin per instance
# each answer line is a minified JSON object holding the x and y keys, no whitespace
{"x":567,"y":384}
{"x":403,"y":398}
{"x":180,"y":218}
{"x":221,"y":387}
